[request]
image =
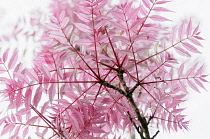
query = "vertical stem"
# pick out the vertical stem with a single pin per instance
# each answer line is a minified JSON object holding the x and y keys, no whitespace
{"x":142,"y":120}
{"x":94,"y":36}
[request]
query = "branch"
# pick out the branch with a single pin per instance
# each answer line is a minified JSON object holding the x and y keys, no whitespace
{"x":133,"y":89}
{"x":155,"y":134}
{"x":134,"y":124}
{"x":105,"y":83}
{"x":141,"y":119}
{"x":120,"y":76}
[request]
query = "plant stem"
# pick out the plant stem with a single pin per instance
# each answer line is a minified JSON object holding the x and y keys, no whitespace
{"x":143,"y":129}
{"x":142,"y":120}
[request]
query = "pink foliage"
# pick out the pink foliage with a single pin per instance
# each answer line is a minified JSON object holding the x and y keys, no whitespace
{"x":103,"y":69}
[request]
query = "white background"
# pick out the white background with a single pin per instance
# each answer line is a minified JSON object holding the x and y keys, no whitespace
{"x":198,"y":10}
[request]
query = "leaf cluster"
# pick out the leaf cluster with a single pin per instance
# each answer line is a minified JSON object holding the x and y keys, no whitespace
{"x":103,"y":69}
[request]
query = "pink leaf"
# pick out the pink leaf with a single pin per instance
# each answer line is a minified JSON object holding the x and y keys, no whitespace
{"x":17,"y":130}
{"x":79,"y":117}
{"x":61,"y":16}
{"x":28,"y":95}
{"x":199,"y":83}
{"x":119,"y":26}
{"x":134,"y":13}
{"x":177,"y":110}
{"x":58,"y":38}
{"x":180,"y":97}
{"x":202,"y":79}
{"x":5,"y":55}
{"x":189,"y":28}
{"x":120,"y":38}
{"x":21,"y":77}
{"x":83,"y":27}
{"x":126,"y":8}
{"x":101,"y":5}
{"x":83,"y":17}
{"x":146,"y":3}
{"x":85,"y":9}
{"x":69,"y":31}
{"x":168,"y":65}
{"x":161,"y":9}
{"x":199,"y":71}
{"x":173,"y":34}
{"x":180,"y":70}
{"x":31,"y":74}
{"x":74,"y":123}
{"x":2,"y":70}
{"x":64,"y":22}
{"x":169,"y":124}
{"x":181,"y":31}
{"x":190,"y":71}
{"x":118,"y":16}
{"x":83,"y":42}
{"x":18,"y":98}
{"x":51,"y":92}
{"x":143,"y":11}
{"x":55,"y":34}
{"x":37,"y":96}
{"x":18,"y":68}
{"x":54,"y":19}
{"x":194,"y":41}
{"x":190,"y":47}
{"x":162,"y":2}
{"x":21,"y":112}
{"x":196,"y":29}
{"x":53,"y":26}
{"x":32,"y":120}
{"x":175,"y":126}
{"x":48,"y":57}
{"x":203,"y":76}
{"x":95,"y":130}
{"x":158,"y":18}
{"x":192,"y":85}
{"x":13,"y":118}
{"x":45,"y":72}
{"x":7,"y":128}
{"x":137,"y":23}
{"x":45,"y":131}
{"x":97,"y":2}
{"x":13,"y":59}
{"x":25,"y":131}
{"x":185,"y":125}
{"x":101,"y":24}
{"x":6,"y":38}
{"x":45,"y":107}
{"x":182,"y":52}
{"x":198,"y":37}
